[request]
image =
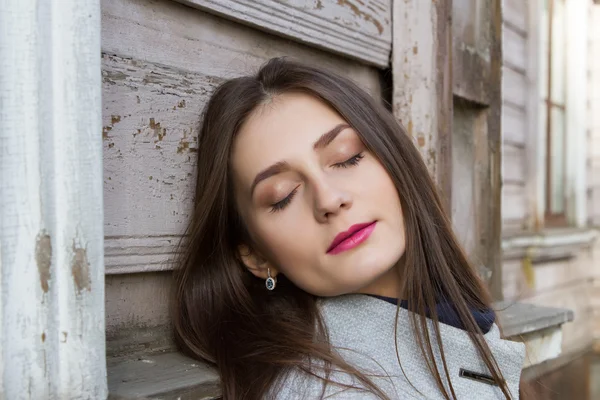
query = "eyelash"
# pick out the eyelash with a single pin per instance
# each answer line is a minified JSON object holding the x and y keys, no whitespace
{"x":283,"y":203}
{"x":351,"y":162}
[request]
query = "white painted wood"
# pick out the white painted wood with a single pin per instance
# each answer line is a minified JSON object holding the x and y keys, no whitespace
{"x":513,"y":165}
{"x":576,"y":110}
{"x":574,"y":296}
{"x":361,"y":30}
{"x":536,"y":137}
{"x":514,"y":208}
{"x":514,"y":87}
{"x":542,"y":346}
{"x":514,"y":125}
{"x":516,"y":14}
{"x":593,"y":118}
{"x":566,"y":237}
{"x":514,"y":46}
{"x":51,"y":213}
{"x":415,"y":72}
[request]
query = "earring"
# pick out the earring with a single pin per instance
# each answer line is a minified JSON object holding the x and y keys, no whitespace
{"x":270,"y":282}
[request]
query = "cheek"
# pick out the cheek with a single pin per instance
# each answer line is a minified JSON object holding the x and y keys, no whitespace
{"x":286,"y":240}
{"x":383,"y":195}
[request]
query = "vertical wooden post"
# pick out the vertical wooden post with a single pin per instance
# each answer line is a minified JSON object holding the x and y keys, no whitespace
{"x":422,"y":73}
{"x":438,"y":63}
{"x":52,"y":342}
{"x":491,"y":213}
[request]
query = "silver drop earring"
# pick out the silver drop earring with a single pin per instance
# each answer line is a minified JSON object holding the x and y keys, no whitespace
{"x":270,"y":282}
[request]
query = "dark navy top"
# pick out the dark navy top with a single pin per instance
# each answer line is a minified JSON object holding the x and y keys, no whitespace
{"x":447,"y":314}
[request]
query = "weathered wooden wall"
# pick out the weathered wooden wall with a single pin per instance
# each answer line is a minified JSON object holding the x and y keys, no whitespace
{"x":593,"y":155}
{"x":52,"y":342}
{"x":560,"y":272}
{"x":161,"y":61}
{"x":515,"y":116}
{"x":593,"y":114}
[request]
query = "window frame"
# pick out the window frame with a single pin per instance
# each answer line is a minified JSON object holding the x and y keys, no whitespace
{"x":539,"y":162}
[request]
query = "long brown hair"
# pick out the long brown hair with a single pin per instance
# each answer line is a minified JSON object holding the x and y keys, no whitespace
{"x":225,"y":316}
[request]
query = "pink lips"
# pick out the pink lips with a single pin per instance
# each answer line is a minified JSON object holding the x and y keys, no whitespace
{"x":351,"y":238}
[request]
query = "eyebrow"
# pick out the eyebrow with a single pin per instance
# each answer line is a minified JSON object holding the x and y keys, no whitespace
{"x":328,"y":137}
{"x":283,"y":166}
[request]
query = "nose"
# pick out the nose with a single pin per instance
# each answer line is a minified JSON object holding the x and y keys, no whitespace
{"x":330,"y":201}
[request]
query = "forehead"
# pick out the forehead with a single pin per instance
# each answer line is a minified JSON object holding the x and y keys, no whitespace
{"x":280,"y":130}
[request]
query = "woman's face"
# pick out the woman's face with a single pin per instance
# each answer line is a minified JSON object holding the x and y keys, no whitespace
{"x":319,"y":207}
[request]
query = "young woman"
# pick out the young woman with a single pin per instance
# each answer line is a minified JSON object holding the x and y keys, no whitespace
{"x":319,"y":261}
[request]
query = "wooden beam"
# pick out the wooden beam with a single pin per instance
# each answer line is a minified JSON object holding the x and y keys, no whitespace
{"x":361,"y":30}
{"x":52,"y":341}
{"x":422,"y":74}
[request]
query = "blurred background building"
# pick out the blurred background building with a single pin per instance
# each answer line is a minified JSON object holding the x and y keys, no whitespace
{"x":501,"y":97}
{"x":551,"y":175}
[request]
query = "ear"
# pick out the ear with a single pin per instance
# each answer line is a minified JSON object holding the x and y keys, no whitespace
{"x":255,"y":263}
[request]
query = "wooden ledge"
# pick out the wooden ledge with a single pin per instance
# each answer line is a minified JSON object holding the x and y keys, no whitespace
{"x":523,"y":318}
{"x":173,"y":376}
{"x":167,"y":376}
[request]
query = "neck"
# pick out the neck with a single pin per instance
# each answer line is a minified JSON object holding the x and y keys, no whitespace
{"x":387,"y":285}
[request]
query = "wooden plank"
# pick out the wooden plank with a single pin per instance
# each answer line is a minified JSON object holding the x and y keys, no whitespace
{"x":535,"y":162}
{"x":361,"y":30}
{"x":512,"y":226}
{"x":422,"y":95}
{"x":515,"y":49}
{"x":168,"y":376}
{"x":513,"y":165}
{"x":514,"y":87}
{"x":593,"y":119}
{"x":514,"y":202}
{"x":51,"y":213}
{"x":476,"y":72}
{"x":593,"y":201}
{"x":558,"y":274}
{"x":137,"y":313}
{"x":171,"y":34}
{"x":470,"y":70}
{"x":516,"y":14}
{"x":522,"y":318}
{"x":514,"y":283}
{"x":514,"y":122}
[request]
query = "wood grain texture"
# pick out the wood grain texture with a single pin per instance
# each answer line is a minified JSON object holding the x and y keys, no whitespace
{"x":422,"y":93}
{"x":52,"y":342}
{"x":358,"y":29}
{"x":472,"y":50}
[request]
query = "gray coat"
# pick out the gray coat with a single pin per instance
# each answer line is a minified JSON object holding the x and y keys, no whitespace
{"x":361,"y":329}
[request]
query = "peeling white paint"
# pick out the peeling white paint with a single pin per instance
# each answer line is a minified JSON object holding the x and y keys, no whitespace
{"x":542,"y":345}
{"x":52,"y":342}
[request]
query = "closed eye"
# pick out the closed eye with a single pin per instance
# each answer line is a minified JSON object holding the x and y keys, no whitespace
{"x":352,"y":161}
{"x":280,"y":205}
